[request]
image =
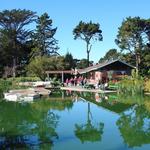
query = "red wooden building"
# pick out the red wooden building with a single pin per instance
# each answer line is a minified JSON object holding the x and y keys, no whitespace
{"x":114,"y":69}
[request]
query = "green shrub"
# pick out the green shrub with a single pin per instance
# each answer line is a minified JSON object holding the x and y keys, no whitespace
{"x":147,"y":85}
{"x":39,"y":65}
{"x":131,"y":85}
{"x":5,"y":85}
{"x":113,"y":86}
{"x":55,"y":82}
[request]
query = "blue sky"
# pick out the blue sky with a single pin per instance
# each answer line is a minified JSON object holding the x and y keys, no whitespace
{"x":66,"y":14}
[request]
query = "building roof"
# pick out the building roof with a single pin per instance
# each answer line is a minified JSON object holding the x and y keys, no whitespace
{"x":101,"y":65}
{"x":88,"y":69}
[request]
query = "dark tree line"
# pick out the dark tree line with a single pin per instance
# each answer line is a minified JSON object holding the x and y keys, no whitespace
{"x":18,"y":43}
{"x":27,"y":39}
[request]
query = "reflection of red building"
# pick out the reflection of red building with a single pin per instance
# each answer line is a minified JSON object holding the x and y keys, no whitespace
{"x":108,"y":70}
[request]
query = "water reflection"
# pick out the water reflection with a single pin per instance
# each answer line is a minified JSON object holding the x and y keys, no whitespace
{"x":24,"y":125}
{"x":98,"y":98}
{"x":108,"y":102}
{"x":43,"y":124}
{"x":133,"y":123}
{"x":134,"y":126}
{"x":89,"y":132}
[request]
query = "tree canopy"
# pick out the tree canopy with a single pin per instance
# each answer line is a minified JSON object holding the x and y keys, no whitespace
{"x":88,"y":32}
{"x":110,"y":55}
{"x":69,"y":61}
{"x":45,"y":43}
{"x":83,"y":63}
{"x":14,"y":35}
{"x":20,"y":45}
{"x":133,"y":36}
{"x":40,"y":64}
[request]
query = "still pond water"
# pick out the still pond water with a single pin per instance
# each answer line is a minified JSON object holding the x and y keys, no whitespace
{"x":82,"y":121}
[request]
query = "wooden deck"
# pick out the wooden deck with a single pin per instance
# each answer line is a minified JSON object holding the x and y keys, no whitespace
{"x":81,"y":89}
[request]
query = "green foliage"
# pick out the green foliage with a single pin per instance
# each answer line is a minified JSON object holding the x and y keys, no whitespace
{"x":147,"y":85}
{"x":145,"y":62}
{"x":25,"y":79}
{"x":89,"y":132}
{"x":129,"y":58}
{"x":133,"y":35}
{"x":144,"y":66}
{"x":15,"y":131}
{"x":130,"y":33}
{"x":83,"y":63}
{"x":12,"y":83}
{"x":147,"y":105}
{"x":131,"y":85}
{"x":39,"y":65}
{"x":44,"y":41}
{"x":69,"y":61}
{"x":134,"y":126}
{"x":129,"y":99}
{"x":14,"y":36}
{"x":55,"y":82}
{"x":87,"y":32}
{"x":4,"y":86}
{"x":16,"y":45}
{"x":112,"y":54}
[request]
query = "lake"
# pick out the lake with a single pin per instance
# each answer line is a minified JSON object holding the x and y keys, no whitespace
{"x":76,"y":121}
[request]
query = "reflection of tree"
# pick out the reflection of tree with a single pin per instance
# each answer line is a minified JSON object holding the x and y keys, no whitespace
{"x":55,"y":104}
{"x":88,"y":131}
{"x":27,"y":125}
{"x":135,"y":127}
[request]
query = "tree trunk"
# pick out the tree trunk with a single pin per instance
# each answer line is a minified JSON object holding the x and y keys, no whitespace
{"x":15,"y":50}
{"x":138,"y":60}
{"x":88,"y":63}
{"x":138,"y":49}
{"x":14,"y":68}
{"x":88,"y":57}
